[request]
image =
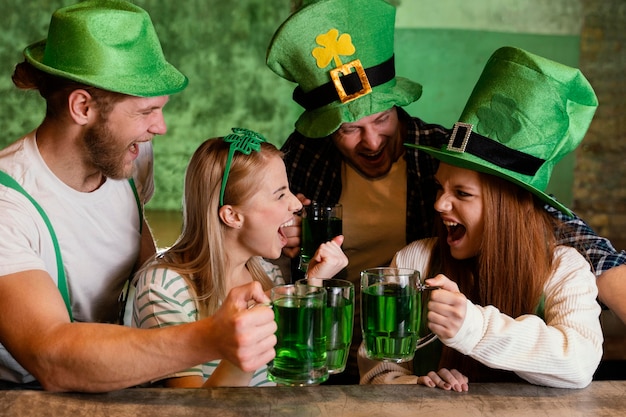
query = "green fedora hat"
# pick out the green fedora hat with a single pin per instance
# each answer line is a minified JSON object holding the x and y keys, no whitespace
{"x":109,"y":44}
{"x":524,"y":115}
{"x":340,"y":53}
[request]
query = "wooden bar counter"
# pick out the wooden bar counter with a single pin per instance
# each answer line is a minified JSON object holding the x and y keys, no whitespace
{"x":601,"y":398}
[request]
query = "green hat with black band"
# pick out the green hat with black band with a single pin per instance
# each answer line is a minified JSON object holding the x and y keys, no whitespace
{"x":524,"y":115}
{"x":109,"y":44}
{"x":340,"y":53}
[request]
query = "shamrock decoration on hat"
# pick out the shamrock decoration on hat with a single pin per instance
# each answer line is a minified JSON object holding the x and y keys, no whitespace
{"x":340,"y":53}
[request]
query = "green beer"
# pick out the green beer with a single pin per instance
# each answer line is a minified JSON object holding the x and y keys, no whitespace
{"x":390,"y":320}
{"x":301,"y":345}
{"x":316,"y":231}
{"x":319,"y":224}
{"x":339,"y":321}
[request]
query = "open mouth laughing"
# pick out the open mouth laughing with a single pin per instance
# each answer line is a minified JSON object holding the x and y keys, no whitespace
{"x":456,"y":231}
{"x":281,"y":232}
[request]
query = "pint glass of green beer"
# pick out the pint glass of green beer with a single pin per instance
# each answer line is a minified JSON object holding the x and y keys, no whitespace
{"x":301,"y":335}
{"x":392,"y":313}
{"x":339,"y":321}
{"x":319,"y":225}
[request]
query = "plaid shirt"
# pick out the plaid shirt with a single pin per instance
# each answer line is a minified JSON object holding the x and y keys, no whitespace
{"x":314,"y":169}
{"x":598,"y":251}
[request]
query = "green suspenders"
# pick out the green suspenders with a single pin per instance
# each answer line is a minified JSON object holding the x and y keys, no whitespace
{"x":138,"y":201}
{"x":8,"y":181}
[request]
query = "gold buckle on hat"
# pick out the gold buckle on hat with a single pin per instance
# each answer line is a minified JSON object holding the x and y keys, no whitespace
{"x":462,"y":127}
{"x":345,"y":69}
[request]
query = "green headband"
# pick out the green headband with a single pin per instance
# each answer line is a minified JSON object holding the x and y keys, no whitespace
{"x":244,"y":141}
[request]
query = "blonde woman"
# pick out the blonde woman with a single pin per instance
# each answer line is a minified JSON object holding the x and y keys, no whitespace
{"x":236,"y":202}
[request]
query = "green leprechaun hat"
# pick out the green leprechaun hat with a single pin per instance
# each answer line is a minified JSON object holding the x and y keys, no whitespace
{"x":524,"y":115}
{"x":109,"y":44}
{"x":340,"y":53}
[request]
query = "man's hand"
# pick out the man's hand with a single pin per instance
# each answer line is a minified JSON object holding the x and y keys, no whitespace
{"x":612,"y":290}
{"x":245,"y":335}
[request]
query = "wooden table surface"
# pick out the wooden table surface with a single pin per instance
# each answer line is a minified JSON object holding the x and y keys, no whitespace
{"x":601,"y":398}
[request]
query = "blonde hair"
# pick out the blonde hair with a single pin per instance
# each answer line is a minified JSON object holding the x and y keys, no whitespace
{"x":198,"y":254}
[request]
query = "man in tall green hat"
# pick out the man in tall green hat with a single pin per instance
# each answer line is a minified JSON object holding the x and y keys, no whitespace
{"x":347,"y":144}
{"x":71,"y":196}
{"x":347,"y":147}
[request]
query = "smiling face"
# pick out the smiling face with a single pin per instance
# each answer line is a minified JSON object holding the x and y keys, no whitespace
{"x":372,"y":144}
{"x":111,"y":141}
{"x":460,"y":205}
{"x":266,"y":211}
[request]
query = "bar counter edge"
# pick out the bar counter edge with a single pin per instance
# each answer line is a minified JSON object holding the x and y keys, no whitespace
{"x":601,"y":398}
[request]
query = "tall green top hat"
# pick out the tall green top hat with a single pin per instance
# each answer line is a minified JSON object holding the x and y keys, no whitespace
{"x":340,"y":53}
{"x":109,"y":44}
{"x":524,"y":114}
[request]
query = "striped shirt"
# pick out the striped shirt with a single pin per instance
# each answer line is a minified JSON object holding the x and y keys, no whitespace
{"x":162,"y":298}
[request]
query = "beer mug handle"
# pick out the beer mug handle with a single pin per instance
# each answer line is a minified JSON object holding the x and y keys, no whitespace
{"x":430,"y":337}
{"x":426,"y":340}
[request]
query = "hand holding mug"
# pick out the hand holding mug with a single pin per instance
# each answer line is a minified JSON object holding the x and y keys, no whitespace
{"x":245,"y":336}
{"x":447,"y":308}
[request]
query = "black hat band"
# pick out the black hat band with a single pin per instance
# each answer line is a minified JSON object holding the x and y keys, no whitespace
{"x":463,"y":139}
{"x":352,"y":85}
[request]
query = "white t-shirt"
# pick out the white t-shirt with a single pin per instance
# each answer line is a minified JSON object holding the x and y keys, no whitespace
{"x":98,"y":233}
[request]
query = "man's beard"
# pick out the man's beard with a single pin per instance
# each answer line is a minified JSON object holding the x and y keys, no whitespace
{"x":103,"y":152}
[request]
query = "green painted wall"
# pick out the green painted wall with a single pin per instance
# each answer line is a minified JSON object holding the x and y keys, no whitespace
{"x":220,"y":46}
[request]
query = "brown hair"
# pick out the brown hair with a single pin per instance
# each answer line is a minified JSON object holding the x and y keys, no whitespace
{"x":517,"y":229}
{"x":198,"y":254}
{"x":56,"y":90}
